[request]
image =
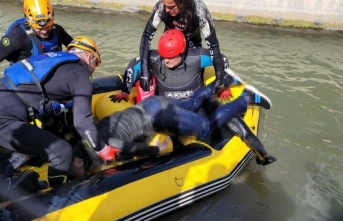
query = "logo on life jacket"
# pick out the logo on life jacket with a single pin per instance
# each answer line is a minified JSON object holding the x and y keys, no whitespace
{"x":53,"y":47}
{"x":6,"y":41}
{"x":179,"y":94}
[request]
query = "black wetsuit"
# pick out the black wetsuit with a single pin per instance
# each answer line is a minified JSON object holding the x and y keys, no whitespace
{"x":179,"y":82}
{"x":68,"y":81}
{"x":16,"y":44}
{"x":166,"y":115}
{"x":202,"y":23}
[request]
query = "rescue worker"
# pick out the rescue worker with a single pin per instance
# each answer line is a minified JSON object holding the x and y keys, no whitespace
{"x":192,"y":17}
{"x":46,"y":80}
{"x":35,"y":33}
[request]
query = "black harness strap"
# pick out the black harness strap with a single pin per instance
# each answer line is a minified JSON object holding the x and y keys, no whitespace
{"x":34,"y":37}
{"x":29,"y":67}
{"x":33,"y":113}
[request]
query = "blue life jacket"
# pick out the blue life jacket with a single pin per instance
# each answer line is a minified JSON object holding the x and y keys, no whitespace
{"x":15,"y":23}
{"x":34,"y":70}
{"x":38,"y":46}
{"x":40,"y":65}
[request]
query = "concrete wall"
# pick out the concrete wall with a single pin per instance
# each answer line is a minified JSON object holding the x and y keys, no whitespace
{"x":327,"y":14}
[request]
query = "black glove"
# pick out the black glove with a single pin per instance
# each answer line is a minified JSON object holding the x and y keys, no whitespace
{"x":145,"y":83}
{"x":218,"y":84}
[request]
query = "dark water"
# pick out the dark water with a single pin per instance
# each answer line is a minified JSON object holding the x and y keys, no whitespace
{"x":302,"y":73}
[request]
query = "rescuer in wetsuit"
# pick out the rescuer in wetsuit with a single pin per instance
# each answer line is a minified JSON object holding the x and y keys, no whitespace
{"x":29,"y":90}
{"x":192,"y":17}
{"x":35,"y":33}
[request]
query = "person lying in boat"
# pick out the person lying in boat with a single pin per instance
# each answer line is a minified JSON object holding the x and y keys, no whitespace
{"x":179,"y":73}
{"x":30,"y":90}
{"x":133,"y":127}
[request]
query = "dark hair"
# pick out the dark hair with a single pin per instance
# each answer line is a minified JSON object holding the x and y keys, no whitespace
{"x":186,"y":9}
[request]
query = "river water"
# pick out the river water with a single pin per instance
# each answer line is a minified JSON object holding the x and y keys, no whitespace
{"x":301,"y":72}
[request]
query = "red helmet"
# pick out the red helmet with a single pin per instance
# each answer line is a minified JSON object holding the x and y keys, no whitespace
{"x":172,"y":43}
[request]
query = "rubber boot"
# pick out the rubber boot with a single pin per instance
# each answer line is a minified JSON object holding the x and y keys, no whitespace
{"x":239,"y":128}
{"x":257,"y":97}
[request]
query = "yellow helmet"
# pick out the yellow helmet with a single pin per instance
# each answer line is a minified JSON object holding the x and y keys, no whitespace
{"x":39,"y":13}
{"x":85,"y":43}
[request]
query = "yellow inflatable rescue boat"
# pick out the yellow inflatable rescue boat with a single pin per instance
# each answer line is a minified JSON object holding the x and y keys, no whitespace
{"x":142,"y":189}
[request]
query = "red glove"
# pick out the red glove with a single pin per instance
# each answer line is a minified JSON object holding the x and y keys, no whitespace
{"x":108,"y":153}
{"x":119,"y":97}
{"x":225,"y":93}
{"x":142,"y":94}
